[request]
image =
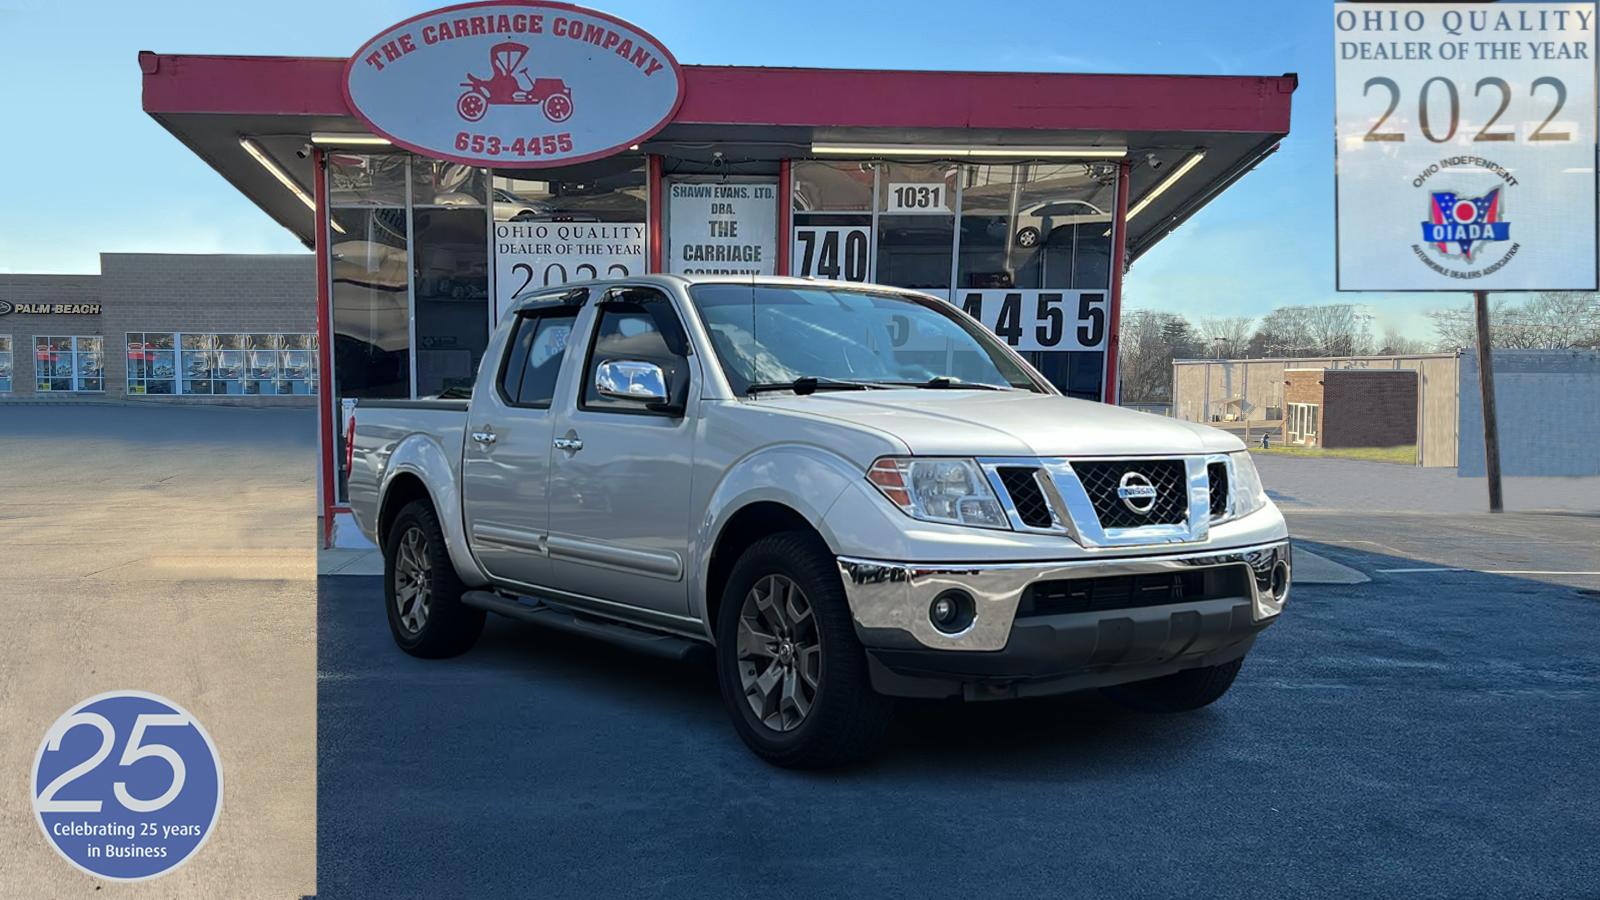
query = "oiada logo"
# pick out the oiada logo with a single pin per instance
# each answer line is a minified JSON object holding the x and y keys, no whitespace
{"x":514,"y":83}
{"x":1461,"y":230}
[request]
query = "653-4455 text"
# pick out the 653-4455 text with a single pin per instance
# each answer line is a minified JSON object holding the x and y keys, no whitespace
{"x":494,"y":145}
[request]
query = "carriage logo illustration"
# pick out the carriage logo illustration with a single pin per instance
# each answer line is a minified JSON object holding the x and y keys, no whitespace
{"x":510,"y":84}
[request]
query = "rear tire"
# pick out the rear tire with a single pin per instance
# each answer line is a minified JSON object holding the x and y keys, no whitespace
{"x":1179,"y":692}
{"x":421,"y":590}
{"x":796,"y":687}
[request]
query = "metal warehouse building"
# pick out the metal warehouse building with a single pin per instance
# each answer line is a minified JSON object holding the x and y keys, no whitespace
{"x":1548,"y":401}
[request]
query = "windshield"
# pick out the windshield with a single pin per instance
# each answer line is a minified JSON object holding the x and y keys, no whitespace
{"x":774,"y":334}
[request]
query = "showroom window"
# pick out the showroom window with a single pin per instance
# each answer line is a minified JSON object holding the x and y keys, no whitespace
{"x":450,"y":276}
{"x":369,"y":269}
{"x":225,"y":364}
{"x":1034,"y":255}
{"x":570,"y":224}
{"x":152,"y":363}
{"x":1026,"y":247}
{"x":5,"y":364}
{"x":68,"y":364}
{"x":832,"y":206}
{"x":916,"y":224}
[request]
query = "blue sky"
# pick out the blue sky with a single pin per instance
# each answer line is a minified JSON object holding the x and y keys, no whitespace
{"x":87,"y":170}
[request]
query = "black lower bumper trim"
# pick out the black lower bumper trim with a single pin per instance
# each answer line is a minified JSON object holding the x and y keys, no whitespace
{"x":1051,"y":654}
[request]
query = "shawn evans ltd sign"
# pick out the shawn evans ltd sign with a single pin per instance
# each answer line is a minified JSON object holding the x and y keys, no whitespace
{"x":514,"y":84}
{"x":49,"y":309}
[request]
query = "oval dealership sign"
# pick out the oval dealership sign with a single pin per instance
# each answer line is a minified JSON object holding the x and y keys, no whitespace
{"x":514,"y":84}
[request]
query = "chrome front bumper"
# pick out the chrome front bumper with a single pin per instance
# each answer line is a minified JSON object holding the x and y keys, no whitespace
{"x":890,"y":600}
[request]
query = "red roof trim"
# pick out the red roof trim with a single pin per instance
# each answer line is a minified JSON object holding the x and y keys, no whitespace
{"x":838,"y":98}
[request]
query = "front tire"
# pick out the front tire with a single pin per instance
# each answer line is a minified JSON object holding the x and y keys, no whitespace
{"x":421,"y":590}
{"x":793,"y":675}
{"x":1179,"y":692}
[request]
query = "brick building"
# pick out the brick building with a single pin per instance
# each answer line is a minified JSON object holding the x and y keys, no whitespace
{"x":1326,"y":407}
{"x":180,"y":328}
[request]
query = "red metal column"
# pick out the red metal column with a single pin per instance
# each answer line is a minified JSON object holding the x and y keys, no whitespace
{"x":785,"y":211}
{"x":1119,"y":256}
{"x":653,"y":186}
{"x":325,"y":388}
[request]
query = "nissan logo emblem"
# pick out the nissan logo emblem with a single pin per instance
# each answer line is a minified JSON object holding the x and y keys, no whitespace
{"x":1137,"y":493}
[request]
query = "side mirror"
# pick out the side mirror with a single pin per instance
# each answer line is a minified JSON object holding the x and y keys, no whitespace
{"x":632,"y":379}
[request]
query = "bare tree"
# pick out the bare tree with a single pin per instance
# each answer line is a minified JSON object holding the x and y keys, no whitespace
{"x":1150,"y":341}
{"x":1396,"y":344}
{"x":1338,"y":329}
{"x":1552,"y":320}
{"x":1227,"y":336}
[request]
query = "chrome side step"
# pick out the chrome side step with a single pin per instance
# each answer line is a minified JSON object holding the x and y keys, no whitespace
{"x":666,"y":646}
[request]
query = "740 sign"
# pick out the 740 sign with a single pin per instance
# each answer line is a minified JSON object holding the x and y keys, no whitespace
{"x":837,"y":253}
{"x":1030,"y":320}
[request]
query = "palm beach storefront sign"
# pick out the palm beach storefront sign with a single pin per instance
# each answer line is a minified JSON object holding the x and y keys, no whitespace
{"x":49,"y":309}
{"x":514,"y":84}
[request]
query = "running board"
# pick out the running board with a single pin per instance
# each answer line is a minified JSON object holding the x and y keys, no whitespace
{"x":538,"y":612}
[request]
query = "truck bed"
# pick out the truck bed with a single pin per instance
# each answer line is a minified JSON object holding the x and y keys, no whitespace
{"x":416,"y":429}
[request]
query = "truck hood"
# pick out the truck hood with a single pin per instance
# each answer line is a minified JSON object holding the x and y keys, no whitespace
{"x":1010,"y":423}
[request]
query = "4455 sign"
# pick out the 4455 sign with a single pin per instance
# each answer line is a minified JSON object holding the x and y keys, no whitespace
{"x":1030,"y":320}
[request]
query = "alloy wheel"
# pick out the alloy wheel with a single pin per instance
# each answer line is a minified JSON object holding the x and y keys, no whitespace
{"x":413,"y":580}
{"x":779,"y":653}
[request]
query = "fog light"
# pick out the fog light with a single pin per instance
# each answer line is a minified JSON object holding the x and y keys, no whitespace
{"x":1280,"y":581}
{"x":951,"y":612}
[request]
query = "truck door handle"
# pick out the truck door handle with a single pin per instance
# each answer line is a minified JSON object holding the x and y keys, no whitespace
{"x":569,"y":444}
{"x":484,"y":437}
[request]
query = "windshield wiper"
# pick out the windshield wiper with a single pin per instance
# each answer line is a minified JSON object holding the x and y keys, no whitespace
{"x":947,"y":382}
{"x":810,"y":384}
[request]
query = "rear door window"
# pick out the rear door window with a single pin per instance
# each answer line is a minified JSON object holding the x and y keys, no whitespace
{"x":534,"y":360}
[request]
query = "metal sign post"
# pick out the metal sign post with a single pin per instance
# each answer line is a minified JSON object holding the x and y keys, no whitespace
{"x":1491,"y":427}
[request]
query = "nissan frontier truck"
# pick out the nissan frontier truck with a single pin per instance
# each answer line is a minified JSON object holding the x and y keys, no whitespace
{"x":849,"y":493}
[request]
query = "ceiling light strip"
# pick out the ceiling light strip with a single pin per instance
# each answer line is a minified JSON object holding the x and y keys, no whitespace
{"x":1166,"y":183}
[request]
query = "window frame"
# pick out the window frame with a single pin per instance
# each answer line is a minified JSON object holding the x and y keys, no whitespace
{"x":9,"y":383}
{"x":130,"y":380}
{"x":210,"y":349}
{"x":73,"y":354}
{"x":593,"y":339}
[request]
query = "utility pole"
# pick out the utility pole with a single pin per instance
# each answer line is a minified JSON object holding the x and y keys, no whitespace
{"x":1491,"y":427}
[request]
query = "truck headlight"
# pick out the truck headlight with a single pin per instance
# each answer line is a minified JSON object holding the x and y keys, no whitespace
{"x":953,"y":491}
{"x":1248,"y":494}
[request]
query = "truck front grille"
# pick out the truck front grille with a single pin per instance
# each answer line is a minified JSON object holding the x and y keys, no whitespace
{"x":1102,"y":478}
{"x":1111,"y":592}
{"x":1218,"y":473}
{"x":1020,"y":482}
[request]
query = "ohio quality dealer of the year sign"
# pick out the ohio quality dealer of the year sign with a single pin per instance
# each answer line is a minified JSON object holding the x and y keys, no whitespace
{"x":514,"y":84}
{"x":1465,"y":153}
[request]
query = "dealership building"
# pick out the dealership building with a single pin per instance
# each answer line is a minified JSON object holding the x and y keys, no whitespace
{"x":472,"y":153}
{"x":164,"y":328}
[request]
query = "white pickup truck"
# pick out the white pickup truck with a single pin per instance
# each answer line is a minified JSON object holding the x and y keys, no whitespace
{"x":851,"y":492}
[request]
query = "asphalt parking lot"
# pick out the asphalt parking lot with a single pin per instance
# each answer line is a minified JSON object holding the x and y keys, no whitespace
{"x":168,"y":549}
{"x":1427,"y":733}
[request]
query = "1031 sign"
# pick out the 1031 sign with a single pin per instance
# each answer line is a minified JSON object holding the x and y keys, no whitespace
{"x":1040,"y":320}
